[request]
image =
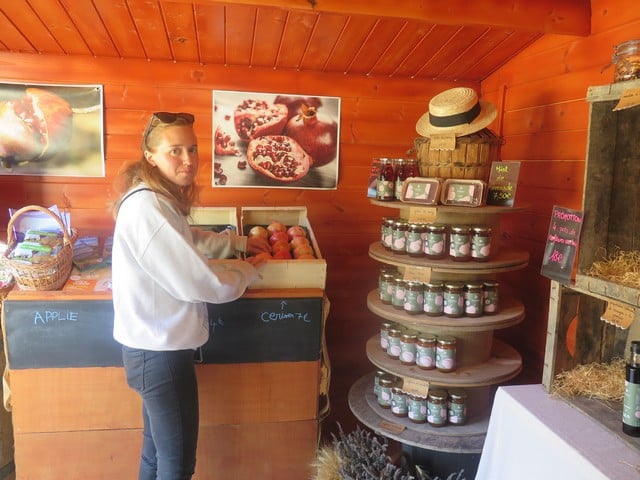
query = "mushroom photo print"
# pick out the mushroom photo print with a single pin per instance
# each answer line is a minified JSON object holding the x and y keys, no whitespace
{"x":275,"y":140}
{"x":53,"y":130}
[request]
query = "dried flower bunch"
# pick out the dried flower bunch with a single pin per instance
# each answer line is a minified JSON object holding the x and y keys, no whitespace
{"x":361,"y":455}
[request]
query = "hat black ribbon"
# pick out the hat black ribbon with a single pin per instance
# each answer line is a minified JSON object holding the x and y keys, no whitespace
{"x":457,"y":119}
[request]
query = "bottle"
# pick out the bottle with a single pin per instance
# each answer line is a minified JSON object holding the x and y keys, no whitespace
{"x":631,"y":402}
{"x":401,"y":173}
{"x":386,"y":184}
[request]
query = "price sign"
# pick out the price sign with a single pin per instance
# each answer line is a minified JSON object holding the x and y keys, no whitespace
{"x":562,"y":244}
{"x":503,"y":181}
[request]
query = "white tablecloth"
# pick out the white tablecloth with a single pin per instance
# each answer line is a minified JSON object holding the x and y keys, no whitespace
{"x":533,"y":435}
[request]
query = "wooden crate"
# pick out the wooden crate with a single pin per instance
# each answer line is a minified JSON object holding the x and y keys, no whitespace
{"x":576,"y":335}
{"x":287,"y":273}
{"x":215,"y":217}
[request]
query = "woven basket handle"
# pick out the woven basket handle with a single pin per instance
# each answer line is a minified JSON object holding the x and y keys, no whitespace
{"x":38,"y":208}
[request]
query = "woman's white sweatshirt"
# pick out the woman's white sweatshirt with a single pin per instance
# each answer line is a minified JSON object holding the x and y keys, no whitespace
{"x":162,"y":278}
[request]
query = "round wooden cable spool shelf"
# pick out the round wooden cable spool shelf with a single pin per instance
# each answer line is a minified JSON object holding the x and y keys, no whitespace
{"x":50,"y":274}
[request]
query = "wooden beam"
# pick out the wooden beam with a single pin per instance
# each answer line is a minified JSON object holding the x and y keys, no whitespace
{"x":571,"y":17}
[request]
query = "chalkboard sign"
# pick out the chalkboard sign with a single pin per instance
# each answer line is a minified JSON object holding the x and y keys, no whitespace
{"x":264,"y":330}
{"x":61,"y":333}
{"x":503,"y":181}
{"x":563,"y":239}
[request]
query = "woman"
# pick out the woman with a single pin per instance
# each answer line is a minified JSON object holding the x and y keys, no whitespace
{"x":161,"y":284}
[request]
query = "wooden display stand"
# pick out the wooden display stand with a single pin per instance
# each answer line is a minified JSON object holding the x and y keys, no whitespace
{"x":75,"y":417}
{"x":483,"y":361}
{"x":611,"y":209}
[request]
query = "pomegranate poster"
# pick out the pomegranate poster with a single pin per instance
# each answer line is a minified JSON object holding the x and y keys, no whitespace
{"x":275,"y":140}
{"x":53,"y":130}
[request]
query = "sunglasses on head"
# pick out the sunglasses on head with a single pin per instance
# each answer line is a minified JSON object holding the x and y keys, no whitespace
{"x":166,"y":118}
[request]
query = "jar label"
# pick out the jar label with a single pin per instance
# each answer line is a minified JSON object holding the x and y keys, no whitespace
{"x":394,"y":347}
{"x":425,"y":356}
{"x":459,"y":246}
{"x":433,"y":302}
{"x":413,"y":301}
{"x":473,"y":303}
{"x":436,"y":413}
{"x":453,"y":303}
{"x":399,"y":403}
{"x":631,"y":404}
{"x":384,"y":339}
{"x":414,"y":242}
{"x":445,"y":358}
{"x":408,"y":352}
{"x":417,"y":409}
{"x":481,"y":246}
{"x":434,"y":244}
{"x":399,"y":241}
{"x":385,"y":189}
{"x":490,"y":301}
{"x":457,"y":413}
{"x":384,"y":396}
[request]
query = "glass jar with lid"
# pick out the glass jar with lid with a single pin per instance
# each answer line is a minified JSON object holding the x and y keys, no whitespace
{"x":435,"y":241}
{"x":433,"y":303}
{"x":399,"y":237}
{"x":474,"y":299}
{"x":626,"y":58}
{"x":457,"y":413}
{"x":415,"y":239}
{"x":480,"y":243}
{"x":385,"y":284}
{"x":491,"y":297}
{"x":437,"y":407}
{"x":426,"y":351}
{"x":446,"y":353}
{"x":386,"y":232}
{"x":459,"y":243}
{"x":408,"y":347}
{"x":414,"y":297}
{"x":453,"y":299}
{"x":386,"y":183}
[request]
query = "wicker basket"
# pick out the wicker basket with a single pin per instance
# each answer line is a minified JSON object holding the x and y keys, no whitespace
{"x":471,"y":158}
{"x":49,"y":275}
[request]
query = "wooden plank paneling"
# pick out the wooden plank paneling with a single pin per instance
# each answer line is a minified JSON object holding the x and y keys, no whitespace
{"x":70,"y":399}
{"x":224,"y":451}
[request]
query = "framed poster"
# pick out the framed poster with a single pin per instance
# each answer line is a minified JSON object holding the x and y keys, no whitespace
{"x":52,"y":130}
{"x":275,"y":140}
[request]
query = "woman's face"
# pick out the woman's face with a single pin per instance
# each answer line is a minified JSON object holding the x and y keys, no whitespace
{"x":175,"y":154}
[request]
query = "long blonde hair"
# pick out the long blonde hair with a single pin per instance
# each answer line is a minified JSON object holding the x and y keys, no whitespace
{"x":141,"y":171}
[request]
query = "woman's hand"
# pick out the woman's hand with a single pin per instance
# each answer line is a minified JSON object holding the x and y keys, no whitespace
{"x":257,"y":245}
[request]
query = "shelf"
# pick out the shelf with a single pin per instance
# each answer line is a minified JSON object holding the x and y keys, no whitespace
{"x":606,"y":290}
{"x":511,"y":313}
{"x":504,"y":364}
{"x":504,"y":261}
{"x":483,"y":210}
{"x":468,"y":438}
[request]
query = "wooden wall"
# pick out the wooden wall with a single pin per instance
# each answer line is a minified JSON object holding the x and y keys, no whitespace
{"x":540,"y":94}
{"x":544,"y":121}
{"x":378,"y":119}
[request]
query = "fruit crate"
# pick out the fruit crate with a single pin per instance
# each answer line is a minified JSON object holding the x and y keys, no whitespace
{"x":215,"y":218}
{"x":294,"y":273}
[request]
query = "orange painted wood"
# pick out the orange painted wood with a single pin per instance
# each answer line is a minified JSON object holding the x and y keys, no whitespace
{"x":210,"y":21}
{"x":70,"y":399}
{"x":118,"y":22}
{"x":546,"y":15}
{"x":269,"y":451}
{"x":181,"y":29}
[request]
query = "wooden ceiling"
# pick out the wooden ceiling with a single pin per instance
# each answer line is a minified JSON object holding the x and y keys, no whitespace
{"x":425,"y":39}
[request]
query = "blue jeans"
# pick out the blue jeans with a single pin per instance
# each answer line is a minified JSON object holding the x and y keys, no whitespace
{"x":166,"y":381}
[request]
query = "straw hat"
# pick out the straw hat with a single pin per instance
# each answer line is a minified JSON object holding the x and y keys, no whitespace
{"x":456,"y":111}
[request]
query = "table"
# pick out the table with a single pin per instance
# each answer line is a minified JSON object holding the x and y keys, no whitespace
{"x":534,"y":435}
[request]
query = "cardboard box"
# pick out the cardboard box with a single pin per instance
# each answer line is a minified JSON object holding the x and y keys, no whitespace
{"x":302,"y":273}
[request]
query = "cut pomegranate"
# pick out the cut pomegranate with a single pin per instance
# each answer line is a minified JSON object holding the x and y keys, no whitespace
{"x":278,"y":157}
{"x":223,"y":143}
{"x":257,"y":118}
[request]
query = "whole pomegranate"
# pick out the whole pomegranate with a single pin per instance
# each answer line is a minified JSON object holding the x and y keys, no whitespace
{"x":294,"y":103}
{"x":318,"y":137}
{"x":256,"y":118}
{"x":278,"y":157}
{"x":33,"y":127}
